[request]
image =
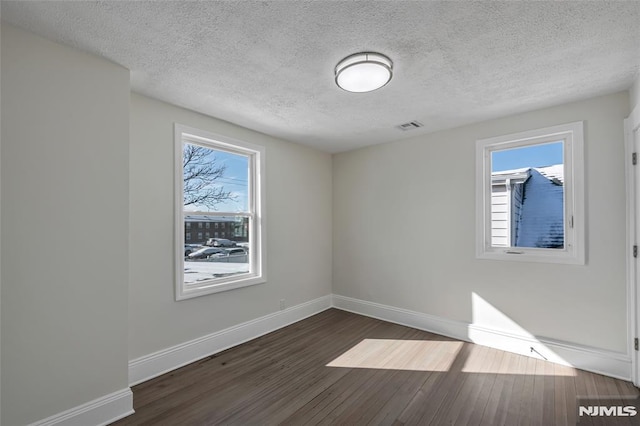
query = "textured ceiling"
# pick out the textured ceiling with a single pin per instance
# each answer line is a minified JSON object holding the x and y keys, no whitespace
{"x":269,"y":65}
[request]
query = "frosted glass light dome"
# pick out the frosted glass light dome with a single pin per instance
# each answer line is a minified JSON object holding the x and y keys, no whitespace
{"x":363,"y":72}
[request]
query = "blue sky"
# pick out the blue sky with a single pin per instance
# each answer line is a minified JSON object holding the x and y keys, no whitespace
{"x":235,"y":180}
{"x":236,"y":175}
{"x":528,"y":156}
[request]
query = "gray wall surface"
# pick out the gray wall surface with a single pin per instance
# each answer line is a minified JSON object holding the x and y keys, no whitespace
{"x":298,"y":232}
{"x":79,"y":301}
{"x":427,"y":185}
{"x":634,"y":92}
{"x":65,"y":209}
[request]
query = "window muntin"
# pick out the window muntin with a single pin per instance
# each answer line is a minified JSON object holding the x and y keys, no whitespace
{"x":218,"y":180}
{"x":530,"y":196}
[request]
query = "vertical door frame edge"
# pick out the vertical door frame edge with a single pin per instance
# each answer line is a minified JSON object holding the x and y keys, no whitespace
{"x":631,"y":125}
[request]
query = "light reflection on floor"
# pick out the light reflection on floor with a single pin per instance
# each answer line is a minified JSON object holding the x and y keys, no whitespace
{"x":393,"y":354}
{"x":437,"y":355}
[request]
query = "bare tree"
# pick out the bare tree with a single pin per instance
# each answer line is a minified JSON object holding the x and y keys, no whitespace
{"x":201,"y":174}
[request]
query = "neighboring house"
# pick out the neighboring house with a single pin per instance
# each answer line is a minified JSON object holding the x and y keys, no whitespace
{"x":527,"y":207}
{"x":199,"y":228}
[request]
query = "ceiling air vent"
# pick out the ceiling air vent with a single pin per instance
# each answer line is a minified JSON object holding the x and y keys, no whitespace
{"x":410,"y":126}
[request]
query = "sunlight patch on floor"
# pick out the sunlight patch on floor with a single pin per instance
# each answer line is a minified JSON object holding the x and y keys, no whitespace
{"x":492,"y":327}
{"x":485,"y":360}
{"x":394,"y":354}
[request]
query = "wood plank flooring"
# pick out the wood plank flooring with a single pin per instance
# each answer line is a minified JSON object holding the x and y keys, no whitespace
{"x":383,"y":374}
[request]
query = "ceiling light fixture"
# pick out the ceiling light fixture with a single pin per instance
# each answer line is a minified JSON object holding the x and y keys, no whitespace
{"x":363,"y":72}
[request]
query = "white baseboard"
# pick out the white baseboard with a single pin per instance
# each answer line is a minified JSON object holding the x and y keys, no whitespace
{"x":108,"y":409}
{"x":157,"y":363}
{"x":432,"y":323}
{"x":596,"y":360}
{"x":99,"y":412}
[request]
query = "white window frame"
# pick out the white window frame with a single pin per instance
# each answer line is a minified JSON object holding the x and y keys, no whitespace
{"x":256,"y":213}
{"x":572,"y":136}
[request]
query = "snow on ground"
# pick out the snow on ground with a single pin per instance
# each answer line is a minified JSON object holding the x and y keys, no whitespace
{"x":200,"y":271}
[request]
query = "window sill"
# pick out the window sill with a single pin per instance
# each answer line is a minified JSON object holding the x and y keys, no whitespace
{"x":532,"y":255}
{"x":203,"y":288}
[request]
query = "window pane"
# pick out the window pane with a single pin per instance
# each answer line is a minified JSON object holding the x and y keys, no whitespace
{"x":219,"y":257}
{"x":219,"y":213}
{"x":527,"y":196}
{"x":214,"y":180}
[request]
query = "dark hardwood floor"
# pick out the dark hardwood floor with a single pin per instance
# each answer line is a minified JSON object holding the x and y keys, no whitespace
{"x":338,"y":368}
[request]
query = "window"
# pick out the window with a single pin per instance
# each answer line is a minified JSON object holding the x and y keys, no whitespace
{"x":207,"y":225}
{"x":220,"y":178}
{"x":530,"y":196}
{"x":187,"y":225}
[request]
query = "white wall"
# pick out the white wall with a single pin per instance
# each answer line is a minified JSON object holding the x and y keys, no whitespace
{"x":404,"y":232}
{"x":634,"y":93}
{"x":402,"y":228}
{"x":64,"y":249}
{"x":299,"y":205}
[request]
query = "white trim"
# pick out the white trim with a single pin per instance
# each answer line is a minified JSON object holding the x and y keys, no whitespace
{"x":596,"y":360}
{"x":601,"y":361}
{"x":256,"y":212}
{"x":572,"y":136}
{"x":99,"y":412}
{"x":432,"y":323}
{"x":631,"y":125}
{"x":152,"y":365}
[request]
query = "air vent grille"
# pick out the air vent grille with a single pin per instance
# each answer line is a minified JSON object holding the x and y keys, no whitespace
{"x":410,"y":125}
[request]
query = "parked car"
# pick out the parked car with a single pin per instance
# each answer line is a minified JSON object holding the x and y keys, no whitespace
{"x":220,"y":242}
{"x":204,"y":252}
{"x":232,"y":255}
{"x":188,"y":249}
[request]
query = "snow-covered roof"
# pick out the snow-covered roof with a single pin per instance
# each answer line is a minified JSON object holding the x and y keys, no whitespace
{"x":515,"y":175}
{"x":554,"y":173}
